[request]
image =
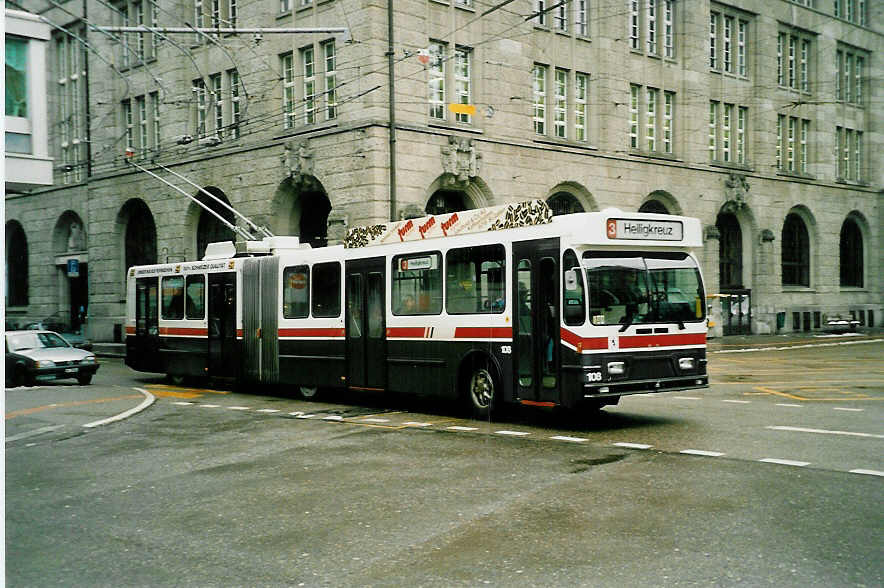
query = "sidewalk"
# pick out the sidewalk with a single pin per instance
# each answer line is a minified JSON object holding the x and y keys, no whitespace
{"x":782,"y":340}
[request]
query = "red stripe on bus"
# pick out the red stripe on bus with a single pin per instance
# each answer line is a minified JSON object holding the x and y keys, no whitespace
{"x":581,"y":343}
{"x":193,"y":331}
{"x":483,"y":333}
{"x":330,"y":332}
{"x":130,"y":330}
{"x":407,"y":332}
{"x":634,"y":341}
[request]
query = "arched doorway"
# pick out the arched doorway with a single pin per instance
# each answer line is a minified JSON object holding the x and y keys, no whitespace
{"x":564,"y":203}
{"x":852,"y":254}
{"x":301,"y":209}
{"x":730,"y":254}
{"x":16,"y":265}
{"x":654,"y":206}
{"x":795,"y":254}
{"x":209,"y":229}
{"x":69,"y":243}
{"x":445,"y":201}
{"x":139,"y":234}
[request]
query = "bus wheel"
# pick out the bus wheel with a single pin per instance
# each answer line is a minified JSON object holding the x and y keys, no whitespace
{"x":481,"y":390}
{"x":309,"y":392}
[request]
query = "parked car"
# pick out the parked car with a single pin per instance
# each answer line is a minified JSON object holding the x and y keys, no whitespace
{"x":33,"y":356}
{"x":75,"y":339}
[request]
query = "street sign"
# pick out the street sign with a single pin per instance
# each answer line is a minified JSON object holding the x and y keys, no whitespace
{"x":73,"y":268}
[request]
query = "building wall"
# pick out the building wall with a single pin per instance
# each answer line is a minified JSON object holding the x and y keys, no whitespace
{"x":497,"y":157}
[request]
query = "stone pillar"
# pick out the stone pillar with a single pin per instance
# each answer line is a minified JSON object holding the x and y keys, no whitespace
{"x":764,"y":317}
{"x":711,"y":252}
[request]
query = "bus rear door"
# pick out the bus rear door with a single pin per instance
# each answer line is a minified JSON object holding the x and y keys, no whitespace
{"x":145,"y":353}
{"x":536,"y":320}
{"x":366,"y":337}
{"x":222,"y":325}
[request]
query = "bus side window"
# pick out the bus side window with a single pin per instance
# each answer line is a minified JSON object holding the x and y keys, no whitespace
{"x":573,"y":299}
{"x":326,"y":291}
{"x":475,"y":280}
{"x":195,"y":304}
{"x":173,"y":297}
{"x":416,"y":284}
{"x":296,"y":292}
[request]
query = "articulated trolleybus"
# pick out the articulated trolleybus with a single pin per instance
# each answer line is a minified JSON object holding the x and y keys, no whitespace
{"x":493,"y":306}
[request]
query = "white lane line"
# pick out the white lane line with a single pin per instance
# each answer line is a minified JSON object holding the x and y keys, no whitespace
{"x":788,"y":462}
{"x":183,"y":403}
{"x":267,"y":410}
{"x":210,"y":406}
{"x":787,"y":348}
{"x":867,"y":472}
{"x":374,"y":420}
{"x":848,"y":409}
{"x":790,"y":405}
{"x":238,"y":408}
{"x":333,"y":417}
{"x":301,"y":415}
{"x":415,"y":424}
{"x":462,"y":428}
{"x":33,"y":433}
{"x":569,"y":439}
{"x":686,"y":398}
{"x":633,"y":445}
{"x":148,"y":400}
{"x":738,"y":401}
{"x":701,"y":452}
{"x":512,"y":433}
{"x":826,"y":432}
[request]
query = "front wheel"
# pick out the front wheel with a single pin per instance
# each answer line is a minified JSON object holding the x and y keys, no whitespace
{"x":84,"y":379}
{"x":482,"y":390}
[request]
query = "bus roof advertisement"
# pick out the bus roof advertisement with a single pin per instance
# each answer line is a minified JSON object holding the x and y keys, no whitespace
{"x":644,"y":230}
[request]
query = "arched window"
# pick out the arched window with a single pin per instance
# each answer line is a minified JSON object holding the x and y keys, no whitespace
{"x":851,"y":254}
{"x":730,"y":255}
{"x":141,"y":234}
{"x":796,"y":252}
{"x":16,"y":265}
{"x":444,"y":201}
{"x":654,"y":206}
{"x":564,"y":203}
{"x":210,"y":229}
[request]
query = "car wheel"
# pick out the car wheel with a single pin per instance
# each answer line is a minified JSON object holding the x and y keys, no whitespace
{"x":19,"y":377}
{"x":84,"y":379}
{"x":309,"y":392}
{"x":481,"y":390}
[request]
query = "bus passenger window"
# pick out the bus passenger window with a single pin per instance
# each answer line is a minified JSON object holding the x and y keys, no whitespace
{"x":173,"y":297}
{"x":327,"y":290}
{"x":573,"y":300}
{"x":296,"y":292}
{"x":195,"y":302}
{"x":416,"y":284}
{"x":475,"y":280}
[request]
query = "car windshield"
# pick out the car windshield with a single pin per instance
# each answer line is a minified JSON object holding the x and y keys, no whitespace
{"x":24,"y":341}
{"x":643,"y":288}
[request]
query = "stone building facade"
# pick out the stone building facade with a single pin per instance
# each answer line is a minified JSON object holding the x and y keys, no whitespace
{"x":763,"y":119}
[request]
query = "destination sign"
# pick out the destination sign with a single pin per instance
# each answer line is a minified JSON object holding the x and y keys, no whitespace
{"x":646,"y":230}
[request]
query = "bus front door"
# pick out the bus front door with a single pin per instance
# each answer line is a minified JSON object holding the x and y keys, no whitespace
{"x":366,"y":336}
{"x":222,"y":325}
{"x":536,"y":320}
{"x":145,"y":355}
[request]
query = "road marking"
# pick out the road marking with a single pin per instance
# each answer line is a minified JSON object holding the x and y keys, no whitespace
{"x":182,"y":403}
{"x":738,"y":401}
{"x":267,"y":410}
{"x":333,"y":417}
{"x":415,"y":424}
{"x":701,"y":452}
{"x":33,"y":433}
{"x":148,"y":400}
{"x":301,"y":415}
{"x":27,"y":411}
{"x":790,"y":405}
{"x":374,"y":420}
{"x":633,"y":445}
{"x":210,"y":405}
{"x":867,"y":472}
{"x":686,"y":398}
{"x":825,"y":432}
{"x":512,"y":433}
{"x":747,"y":350}
{"x":570,"y":439}
{"x":462,"y":428}
{"x":848,"y":409}
{"x":788,"y":462}
{"x":238,"y":408}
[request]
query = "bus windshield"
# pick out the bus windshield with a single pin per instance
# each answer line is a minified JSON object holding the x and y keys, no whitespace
{"x":628,"y":288}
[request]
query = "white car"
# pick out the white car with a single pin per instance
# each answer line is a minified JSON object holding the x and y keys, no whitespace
{"x":33,"y":356}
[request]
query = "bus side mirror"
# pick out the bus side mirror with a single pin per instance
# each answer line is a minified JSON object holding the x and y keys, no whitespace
{"x":571,"y":283}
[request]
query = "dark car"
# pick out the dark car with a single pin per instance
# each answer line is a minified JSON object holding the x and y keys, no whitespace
{"x":33,"y":356}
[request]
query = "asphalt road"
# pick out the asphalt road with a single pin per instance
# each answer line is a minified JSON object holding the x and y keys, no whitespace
{"x":773,"y":476}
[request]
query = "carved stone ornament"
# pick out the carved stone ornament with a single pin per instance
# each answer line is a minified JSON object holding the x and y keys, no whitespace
{"x":76,"y":238}
{"x":736,"y":192}
{"x":767,"y":236}
{"x":298,"y":161}
{"x":460,"y":161}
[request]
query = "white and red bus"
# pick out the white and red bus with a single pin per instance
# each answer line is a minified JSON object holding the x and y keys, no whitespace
{"x":493,"y":306}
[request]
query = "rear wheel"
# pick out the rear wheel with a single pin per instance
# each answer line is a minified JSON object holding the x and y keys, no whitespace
{"x":482,"y":390}
{"x":84,"y":379}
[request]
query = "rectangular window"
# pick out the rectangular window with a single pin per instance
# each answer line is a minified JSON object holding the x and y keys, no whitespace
{"x":128,"y":123}
{"x":580,"y":92}
{"x":540,"y":11}
{"x":195,"y":303}
{"x":805,"y":130}
{"x":235,"y":114}
{"x":331,"y":95}
{"x":713,"y":130}
{"x":327,"y":289}
{"x":651,"y":119}
{"x":858,"y":84}
{"x":436,"y":81}
{"x":141,"y":104}
{"x":285,"y":6}
{"x":124,"y":19}
{"x":804,"y":81}
{"x":156,"y":138}
{"x":858,"y":156}
{"x":231,"y":13}
{"x":668,"y":108}
{"x":848,"y":139}
{"x":839,"y":162}
{"x":462,"y":83}
{"x":713,"y":40}
{"x":309,"y":71}
{"x":296,"y":292}
{"x":416,"y":284}
{"x":199,"y":91}
{"x":633,"y":117}
{"x":848,"y":76}
{"x":139,"y":21}
{"x":539,"y":99}
{"x":652,"y":26}
{"x":633,"y":24}
{"x":726,"y":132}
{"x":197,"y":19}
{"x":791,"y":77}
{"x":742,"y":120}
{"x":560,"y":17}
{"x":790,"y":144}
{"x":668,"y":29}
{"x":288,"y":98}
{"x":560,"y":114}
{"x":726,"y":41}
{"x":742,"y":69}
{"x":475,"y":279}
{"x":172,"y":298}
{"x":216,"y":13}
{"x":839,"y":73}
{"x":781,"y":121}
{"x":580,"y":18}
{"x":218,"y":103}
{"x":781,"y":68}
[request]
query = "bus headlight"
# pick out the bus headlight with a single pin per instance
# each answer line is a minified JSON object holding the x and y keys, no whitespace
{"x":686,"y":363}
{"x":616,"y":368}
